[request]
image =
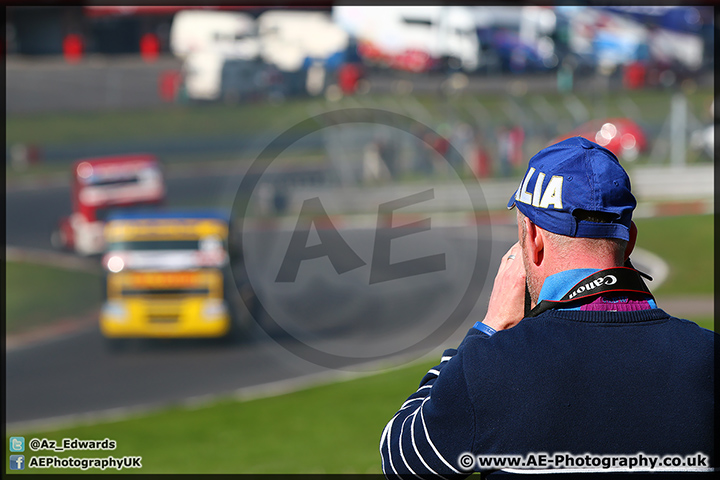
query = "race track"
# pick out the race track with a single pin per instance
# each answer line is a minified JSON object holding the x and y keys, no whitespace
{"x":77,"y":375}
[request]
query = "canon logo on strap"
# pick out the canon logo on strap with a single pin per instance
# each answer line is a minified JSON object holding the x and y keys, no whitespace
{"x":606,"y":280}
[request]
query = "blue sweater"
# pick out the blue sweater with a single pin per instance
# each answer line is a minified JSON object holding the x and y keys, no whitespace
{"x":573,"y":381}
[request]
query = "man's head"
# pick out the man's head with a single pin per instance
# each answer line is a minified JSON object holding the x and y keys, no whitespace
{"x":574,"y":211}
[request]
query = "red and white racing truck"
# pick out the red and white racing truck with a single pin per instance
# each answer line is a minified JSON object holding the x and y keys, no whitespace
{"x":100,"y":185}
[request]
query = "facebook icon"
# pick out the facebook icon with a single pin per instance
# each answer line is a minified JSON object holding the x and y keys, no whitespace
{"x":17,"y":462}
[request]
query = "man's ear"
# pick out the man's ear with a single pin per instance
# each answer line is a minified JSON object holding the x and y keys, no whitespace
{"x":631,"y":241}
{"x":535,"y":242}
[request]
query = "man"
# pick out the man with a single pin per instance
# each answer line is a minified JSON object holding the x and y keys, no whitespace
{"x":596,"y":368}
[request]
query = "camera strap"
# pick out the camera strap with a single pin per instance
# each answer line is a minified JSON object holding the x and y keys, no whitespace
{"x":611,"y":280}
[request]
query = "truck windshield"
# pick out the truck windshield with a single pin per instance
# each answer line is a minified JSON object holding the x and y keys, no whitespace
{"x":155,"y":245}
{"x":105,"y":182}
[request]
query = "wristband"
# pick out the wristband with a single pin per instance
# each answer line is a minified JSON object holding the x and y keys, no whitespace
{"x":486,"y":329}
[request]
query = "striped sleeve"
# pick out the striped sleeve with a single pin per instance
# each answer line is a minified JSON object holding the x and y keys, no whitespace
{"x":432,"y":428}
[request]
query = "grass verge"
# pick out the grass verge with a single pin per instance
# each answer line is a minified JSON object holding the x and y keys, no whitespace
{"x":704,"y":322}
{"x":180,"y":121}
{"x":331,"y":428}
{"x":686,"y":243}
{"x":38,"y":295}
{"x":173,"y":122}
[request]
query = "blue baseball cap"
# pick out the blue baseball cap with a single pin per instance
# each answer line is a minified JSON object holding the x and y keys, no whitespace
{"x":576,"y":175}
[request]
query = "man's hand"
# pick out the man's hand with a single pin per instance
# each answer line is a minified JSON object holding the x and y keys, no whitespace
{"x":507,"y":300}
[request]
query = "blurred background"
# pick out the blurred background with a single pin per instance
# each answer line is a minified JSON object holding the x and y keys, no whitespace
{"x":153,"y":191}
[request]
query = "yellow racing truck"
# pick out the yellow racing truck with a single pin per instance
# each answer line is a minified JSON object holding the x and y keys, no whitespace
{"x":167,"y":276}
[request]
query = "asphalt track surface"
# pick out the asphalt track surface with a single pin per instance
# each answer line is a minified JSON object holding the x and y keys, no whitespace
{"x":75,"y":374}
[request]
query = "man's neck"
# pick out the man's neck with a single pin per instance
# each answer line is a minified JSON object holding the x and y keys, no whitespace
{"x":581,"y":262}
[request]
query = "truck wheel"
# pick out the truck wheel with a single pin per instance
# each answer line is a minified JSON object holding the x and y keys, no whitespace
{"x":240,"y":325}
{"x":234,"y":335}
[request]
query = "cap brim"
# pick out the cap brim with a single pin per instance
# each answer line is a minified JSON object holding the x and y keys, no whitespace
{"x":511,"y":203}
